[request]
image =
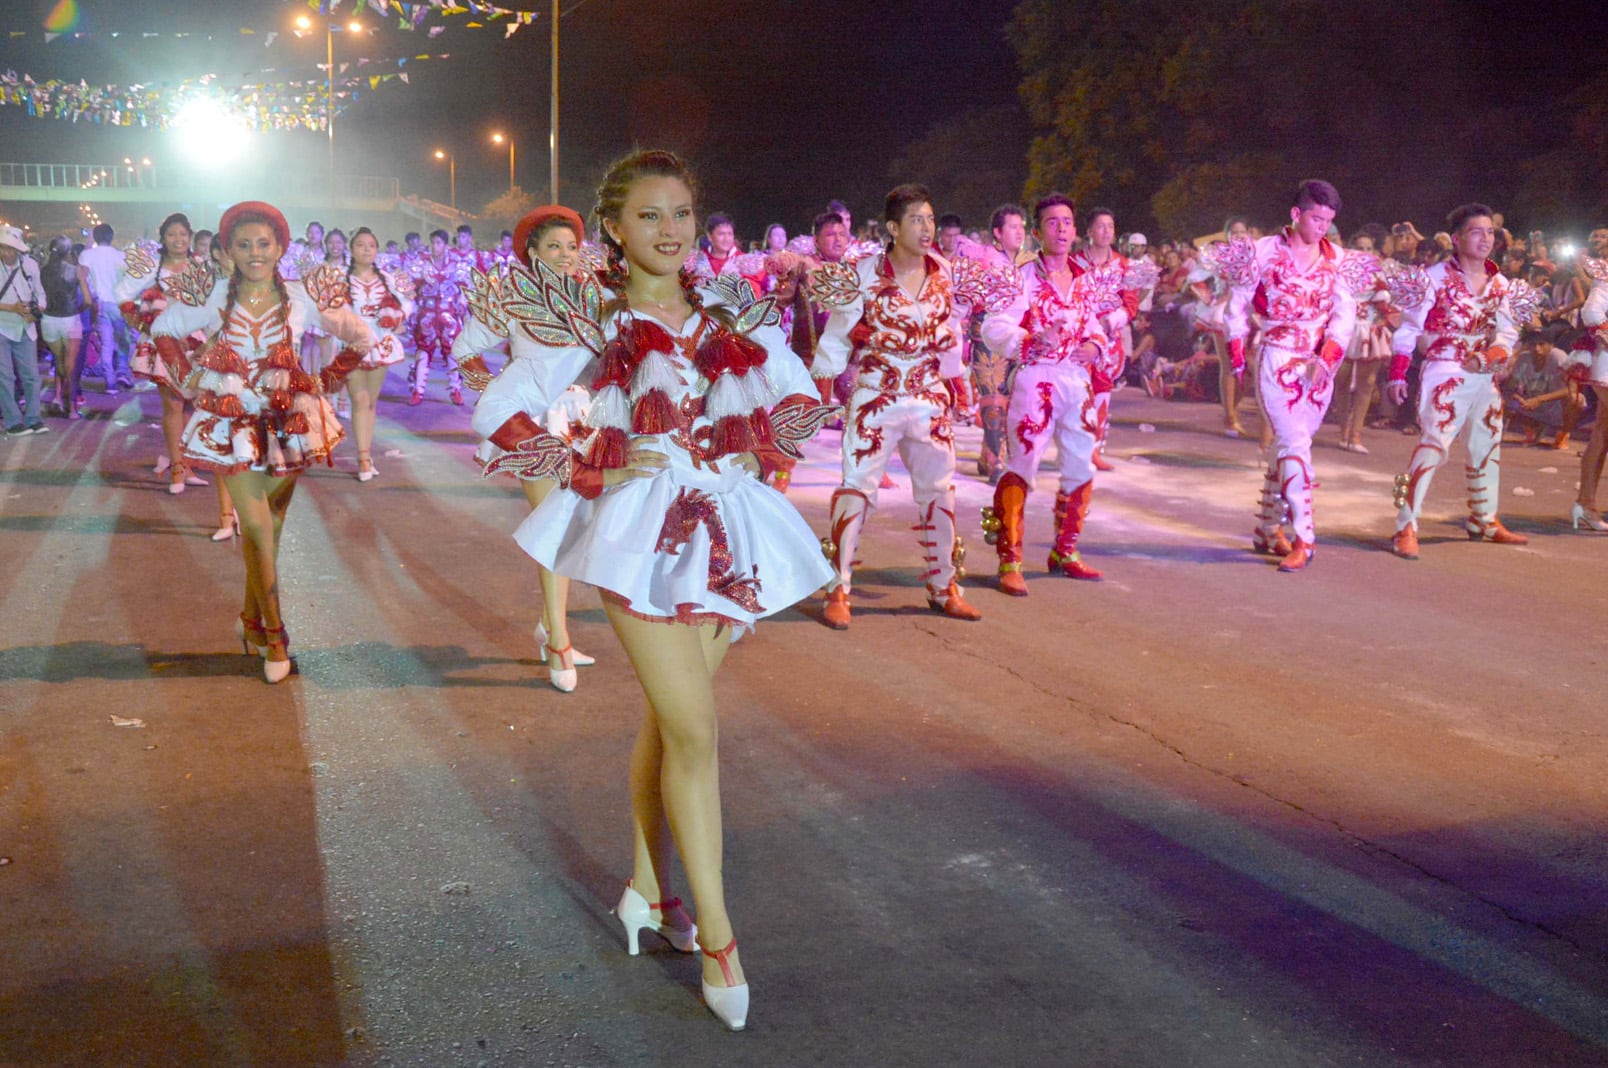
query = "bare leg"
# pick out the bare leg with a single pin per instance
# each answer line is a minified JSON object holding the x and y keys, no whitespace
{"x":261,"y":503}
{"x":555,"y":588}
{"x":1591,"y":459}
{"x":364,"y":386}
{"x":1227,"y":387}
{"x":173,"y":430}
{"x":675,"y":665}
{"x":1365,"y":377}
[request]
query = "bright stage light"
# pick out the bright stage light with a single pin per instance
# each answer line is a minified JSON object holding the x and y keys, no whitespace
{"x":209,"y":131}
{"x":1566,"y":252}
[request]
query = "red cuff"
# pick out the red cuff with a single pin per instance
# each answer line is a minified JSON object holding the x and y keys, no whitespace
{"x":334,"y":373}
{"x":1130,"y":302}
{"x":520,"y":427}
{"x":1236,"y":355}
{"x":1331,"y":353}
{"x":1497,"y":357}
{"x":1398,"y":366}
{"x":585,"y":479}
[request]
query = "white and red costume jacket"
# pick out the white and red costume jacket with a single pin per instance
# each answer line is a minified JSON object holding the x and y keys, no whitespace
{"x":1588,"y":360}
{"x":904,"y":347}
{"x":1116,"y":304}
{"x":1310,"y":313}
{"x":1044,"y":327}
{"x":441,"y":293}
{"x":1475,"y":331}
{"x":385,"y":302}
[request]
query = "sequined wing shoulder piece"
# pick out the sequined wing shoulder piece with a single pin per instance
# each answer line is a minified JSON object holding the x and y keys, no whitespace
{"x":1359,"y":271}
{"x":543,"y":456}
{"x":328,"y":286}
{"x":750,"y":264}
{"x":486,"y":300}
{"x":401,"y":284}
{"x":1232,"y":261}
{"x":593,"y":259}
{"x":1524,"y":300}
{"x":1596,"y":268}
{"x":803,"y":245}
{"x":1141,"y":274}
{"x":753,"y":311}
{"x":990,"y":288}
{"x":1408,"y":286}
{"x":138,"y":262}
{"x":836,"y":285}
{"x":194,"y":284}
{"x":795,"y":423}
{"x":554,"y":309}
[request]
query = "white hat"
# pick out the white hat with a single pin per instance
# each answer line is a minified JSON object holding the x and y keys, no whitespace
{"x":12,"y":237}
{"x":1138,"y":239}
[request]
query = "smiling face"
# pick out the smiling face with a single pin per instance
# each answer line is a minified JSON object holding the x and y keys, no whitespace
{"x":1475,"y":238}
{"x":559,"y":248}
{"x":1057,"y":229}
{"x":722,"y":239}
{"x":656,"y":227}
{"x":915,"y":231}
{"x":176,"y":241}
{"x":255,"y":251}
{"x":335,"y":246}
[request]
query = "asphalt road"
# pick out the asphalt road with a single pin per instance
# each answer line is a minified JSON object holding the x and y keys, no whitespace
{"x":1198,"y":814}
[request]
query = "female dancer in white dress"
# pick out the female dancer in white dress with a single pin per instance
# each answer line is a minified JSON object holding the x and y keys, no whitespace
{"x":144,"y":290}
{"x":553,"y":235}
{"x":385,"y":301}
{"x":260,"y":419}
{"x":664,"y":510}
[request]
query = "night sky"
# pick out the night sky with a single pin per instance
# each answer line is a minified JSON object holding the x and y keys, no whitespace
{"x":780,"y":106}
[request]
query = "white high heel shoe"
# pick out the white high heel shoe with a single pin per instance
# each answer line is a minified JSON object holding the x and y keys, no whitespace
{"x":562,"y":677}
{"x":1578,"y":514}
{"x":228,"y":527}
{"x":636,"y":915}
{"x":276,"y":671}
{"x":579,"y":659}
{"x":729,"y":1003}
{"x":365,"y":468}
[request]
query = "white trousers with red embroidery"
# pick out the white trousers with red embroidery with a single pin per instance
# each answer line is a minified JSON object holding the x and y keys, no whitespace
{"x":876,"y":426}
{"x":1450,"y":400}
{"x":1051,"y":402}
{"x":1294,"y":401}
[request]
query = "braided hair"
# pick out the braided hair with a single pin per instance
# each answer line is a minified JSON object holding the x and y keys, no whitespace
{"x":351,"y":261}
{"x":234,"y":279}
{"x":610,"y":202}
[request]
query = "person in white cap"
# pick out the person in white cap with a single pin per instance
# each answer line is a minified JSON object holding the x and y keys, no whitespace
{"x":22,"y":295}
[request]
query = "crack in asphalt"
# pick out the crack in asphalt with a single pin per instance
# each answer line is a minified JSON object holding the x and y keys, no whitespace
{"x":1355,"y":838}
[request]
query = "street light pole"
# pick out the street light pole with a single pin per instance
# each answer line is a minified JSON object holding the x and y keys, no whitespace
{"x":498,"y":139}
{"x":329,"y":102}
{"x":452,"y":175}
{"x":552,"y":123}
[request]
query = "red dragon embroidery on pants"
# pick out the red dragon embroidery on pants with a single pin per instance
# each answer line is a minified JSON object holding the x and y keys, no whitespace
{"x":1441,"y":401}
{"x":1090,"y":415}
{"x":1027,"y":429}
{"x":872,"y":436}
{"x":691,"y":508}
{"x":1291,"y":378}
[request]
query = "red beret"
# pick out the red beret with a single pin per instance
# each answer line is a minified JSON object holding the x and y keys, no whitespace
{"x":545,"y":213}
{"x":275,"y":217}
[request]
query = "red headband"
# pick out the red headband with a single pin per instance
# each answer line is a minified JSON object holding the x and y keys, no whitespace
{"x":276,"y":220}
{"x":546,"y":213}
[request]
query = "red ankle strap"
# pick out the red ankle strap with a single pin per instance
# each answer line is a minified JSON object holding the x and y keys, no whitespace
{"x":723,"y":956}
